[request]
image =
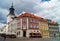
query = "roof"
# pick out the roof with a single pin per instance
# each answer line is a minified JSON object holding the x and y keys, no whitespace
{"x":26,"y":14}
{"x":54,"y":22}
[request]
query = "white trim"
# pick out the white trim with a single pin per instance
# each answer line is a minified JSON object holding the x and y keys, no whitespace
{"x":21,"y":23}
{"x":27,"y":23}
{"x":21,"y":13}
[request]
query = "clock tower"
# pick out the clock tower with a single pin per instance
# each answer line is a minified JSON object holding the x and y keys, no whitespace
{"x":11,"y":14}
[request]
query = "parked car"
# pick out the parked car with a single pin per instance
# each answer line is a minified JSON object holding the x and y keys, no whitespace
{"x":8,"y":35}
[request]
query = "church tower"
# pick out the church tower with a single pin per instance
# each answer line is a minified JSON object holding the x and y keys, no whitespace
{"x":11,"y":14}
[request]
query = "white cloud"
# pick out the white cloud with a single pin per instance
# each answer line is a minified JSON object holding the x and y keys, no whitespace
{"x":3,"y":15}
{"x":49,"y":9}
{"x":1,"y":25}
{"x":3,"y":11}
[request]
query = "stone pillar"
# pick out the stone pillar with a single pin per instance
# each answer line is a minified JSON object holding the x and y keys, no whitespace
{"x":27,"y":33}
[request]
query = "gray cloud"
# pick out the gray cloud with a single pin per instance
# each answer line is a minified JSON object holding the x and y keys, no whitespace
{"x":3,"y":13}
{"x":49,"y":10}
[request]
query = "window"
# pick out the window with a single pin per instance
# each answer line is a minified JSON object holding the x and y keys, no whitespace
{"x":24,"y":19}
{"x":19,"y":20}
{"x":30,"y":19}
{"x":18,"y":24}
{"x":34,"y":20}
{"x":45,"y":28}
{"x":34,"y":26}
{"x":18,"y":33}
{"x":37,"y":26}
{"x":34,"y":31}
{"x":31,"y":26}
{"x":37,"y":31}
{"x":13,"y":27}
{"x":25,"y":26}
{"x":49,"y":21}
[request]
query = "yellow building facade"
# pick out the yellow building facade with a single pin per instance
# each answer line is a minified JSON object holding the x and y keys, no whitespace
{"x":43,"y":26}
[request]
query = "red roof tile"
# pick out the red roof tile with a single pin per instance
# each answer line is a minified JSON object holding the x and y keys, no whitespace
{"x":28,"y":15}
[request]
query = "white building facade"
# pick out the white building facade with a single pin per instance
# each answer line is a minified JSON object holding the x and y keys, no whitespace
{"x":24,"y":25}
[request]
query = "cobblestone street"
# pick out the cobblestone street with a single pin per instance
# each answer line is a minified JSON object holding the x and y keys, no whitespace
{"x":29,"y":39}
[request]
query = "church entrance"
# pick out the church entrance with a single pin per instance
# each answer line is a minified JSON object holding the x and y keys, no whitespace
{"x":24,"y":33}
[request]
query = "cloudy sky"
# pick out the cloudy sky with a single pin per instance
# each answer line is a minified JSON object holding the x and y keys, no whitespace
{"x":44,"y":8}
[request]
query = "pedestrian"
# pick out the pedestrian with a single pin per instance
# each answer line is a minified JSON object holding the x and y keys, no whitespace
{"x":4,"y":36}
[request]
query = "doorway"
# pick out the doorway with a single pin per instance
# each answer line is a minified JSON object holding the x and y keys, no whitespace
{"x":24,"y":33}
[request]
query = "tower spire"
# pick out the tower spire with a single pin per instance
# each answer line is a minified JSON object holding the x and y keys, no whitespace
{"x":11,"y":14}
{"x":12,"y":5}
{"x":11,"y":9}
